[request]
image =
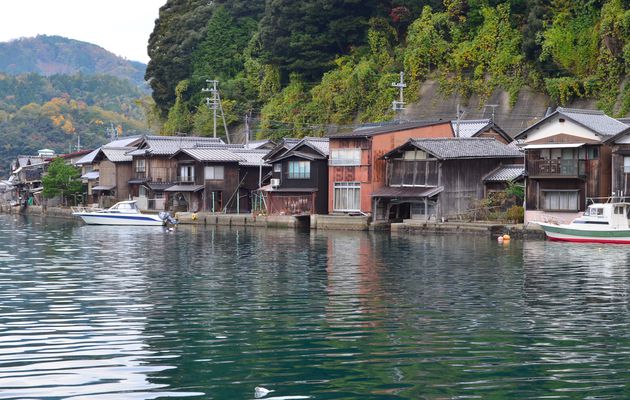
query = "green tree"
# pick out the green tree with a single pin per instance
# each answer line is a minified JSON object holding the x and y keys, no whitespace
{"x":178,"y":31}
{"x":61,"y":179}
{"x":305,"y":36}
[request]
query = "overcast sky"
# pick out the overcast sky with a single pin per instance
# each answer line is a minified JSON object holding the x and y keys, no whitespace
{"x":120,"y":26}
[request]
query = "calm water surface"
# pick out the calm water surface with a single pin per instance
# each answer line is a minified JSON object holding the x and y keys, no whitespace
{"x":117,"y":313}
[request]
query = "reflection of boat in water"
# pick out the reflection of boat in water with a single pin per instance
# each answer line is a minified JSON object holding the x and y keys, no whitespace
{"x":122,"y":213}
{"x":600,"y":223}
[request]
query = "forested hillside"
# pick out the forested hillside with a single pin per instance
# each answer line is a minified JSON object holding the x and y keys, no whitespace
{"x":52,"y":112}
{"x":299,"y":66}
{"x":50,"y":55}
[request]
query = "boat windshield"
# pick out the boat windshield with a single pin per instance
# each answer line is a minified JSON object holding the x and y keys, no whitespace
{"x":124,"y":208}
{"x":594,"y":212}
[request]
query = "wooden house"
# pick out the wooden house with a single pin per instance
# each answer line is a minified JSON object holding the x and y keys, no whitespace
{"x":216,"y":179}
{"x":114,"y":171}
{"x":567,"y":161}
{"x":299,"y":180}
{"x":154,"y":170}
{"x":430,"y":179}
{"x":620,"y":163}
{"x":356,"y":166}
{"x":90,"y":169}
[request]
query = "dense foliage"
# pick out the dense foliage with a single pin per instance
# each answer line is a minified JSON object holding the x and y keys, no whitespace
{"x":50,"y":55}
{"x":302,"y":66}
{"x":63,"y":180}
{"x":53,"y":112}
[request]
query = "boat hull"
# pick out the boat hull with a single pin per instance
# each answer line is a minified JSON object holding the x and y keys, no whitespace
{"x":565,"y":233}
{"x":121,"y":219}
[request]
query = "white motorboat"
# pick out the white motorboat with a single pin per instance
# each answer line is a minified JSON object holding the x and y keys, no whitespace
{"x":122,"y":213}
{"x":600,"y":223}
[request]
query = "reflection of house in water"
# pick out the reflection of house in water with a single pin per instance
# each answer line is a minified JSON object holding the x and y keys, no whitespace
{"x":353,"y":283}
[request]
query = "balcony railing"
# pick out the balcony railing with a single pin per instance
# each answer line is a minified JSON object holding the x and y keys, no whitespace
{"x":185,"y":179}
{"x":557,"y":168}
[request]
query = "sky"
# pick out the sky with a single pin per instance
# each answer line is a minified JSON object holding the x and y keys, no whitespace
{"x":119,"y":26}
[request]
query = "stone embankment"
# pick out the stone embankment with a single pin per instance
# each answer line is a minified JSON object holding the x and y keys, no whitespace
{"x":322,"y":222}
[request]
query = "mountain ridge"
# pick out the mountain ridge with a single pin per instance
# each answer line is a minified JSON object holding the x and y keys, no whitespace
{"x":51,"y":54}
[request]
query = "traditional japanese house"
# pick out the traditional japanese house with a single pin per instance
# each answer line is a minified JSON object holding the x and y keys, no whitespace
{"x":468,"y":128}
{"x":299,"y":181}
{"x":114,"y":169}
{"x":356,"y":166}
{"x":438,"y":178}
{"x":154,"y":169}
{"x":620,"y":163}
{"x":27,"y":172}
{"x":90,"y":169}
{"x":499,"y":179}
{"x":567,"y":162}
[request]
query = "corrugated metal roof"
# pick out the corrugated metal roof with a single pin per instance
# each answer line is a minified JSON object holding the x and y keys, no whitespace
{"x":449,"y":148}
{"x":393,"y":191}
{"x":506,"y":173}
{"x":595,"y":120}
{"x":90,"y":176}
{"x":212,"y":154}
{"x":119,"y":154}
{"x":469,"y":127}
{"x":88,"y":158}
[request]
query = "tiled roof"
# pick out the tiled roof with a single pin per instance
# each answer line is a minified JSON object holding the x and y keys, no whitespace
{"x":118,"y":154}
{"x":251,"y":158}
{"x":450,"y":148}
{"x":595,"y":120}
{"x":506,"y":173}
{"x":469,"y":127}
{"x":394,"y":191}
{"x":319,"y":143}
{"x":386,"y":128}
{"x":212,"y":154}
{"x":169,"y":145}
{"x":24,"y":161}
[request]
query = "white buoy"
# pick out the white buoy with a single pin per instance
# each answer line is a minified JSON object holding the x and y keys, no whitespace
{"x":260,"y":392}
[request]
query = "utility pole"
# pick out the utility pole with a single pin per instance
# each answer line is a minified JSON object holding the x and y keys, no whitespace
{"x":493,"y":106}
{"x":399,"y":105}
{"x":78,"y":142}
{"x":460,"y":114}
{"x":214,"y":102}
{"x":247,"y":133}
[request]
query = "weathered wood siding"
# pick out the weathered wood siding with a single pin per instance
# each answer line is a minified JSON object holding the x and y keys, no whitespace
{"x":412,"y":173}
{"x":620,"y":180}
{"x":371,"y":174}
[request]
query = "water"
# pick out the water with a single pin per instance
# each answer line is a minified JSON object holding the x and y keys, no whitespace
{"x":116,"y":313}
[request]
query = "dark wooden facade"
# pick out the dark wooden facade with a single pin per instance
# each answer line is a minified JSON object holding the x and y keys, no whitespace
{"x":585,"y":169}
{"x":293,"y":194}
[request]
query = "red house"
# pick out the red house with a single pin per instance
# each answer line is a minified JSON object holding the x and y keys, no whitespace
{"x":356,"y":166}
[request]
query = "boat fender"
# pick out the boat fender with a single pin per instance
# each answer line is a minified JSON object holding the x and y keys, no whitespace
{"x":193,"y":216}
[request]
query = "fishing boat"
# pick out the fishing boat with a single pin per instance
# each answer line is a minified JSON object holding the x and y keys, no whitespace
{"x":122,"y":213}
{"x":600,"y":223}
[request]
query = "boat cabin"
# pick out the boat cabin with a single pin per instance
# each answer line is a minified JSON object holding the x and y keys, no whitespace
{"x":125,"y":207}
{"x":613,"y":215}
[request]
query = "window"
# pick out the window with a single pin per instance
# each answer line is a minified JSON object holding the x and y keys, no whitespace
{"x":592,"y":153}
{"x":142,"y":191}
{"x":214,"y":172}
{"x":186,"y":173}
{"x":626,"y":165}
{"x":277,"y":167}
{"x":299,"y":170}
{"x":140,"y":165}
{"x":345,"y":157}
{"x":347,"y":196}
{"x":158,"y":195}
{"x":561,"y":200}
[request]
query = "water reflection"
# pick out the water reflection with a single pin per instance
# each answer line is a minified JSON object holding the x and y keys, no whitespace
{"x":98,"y":312}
